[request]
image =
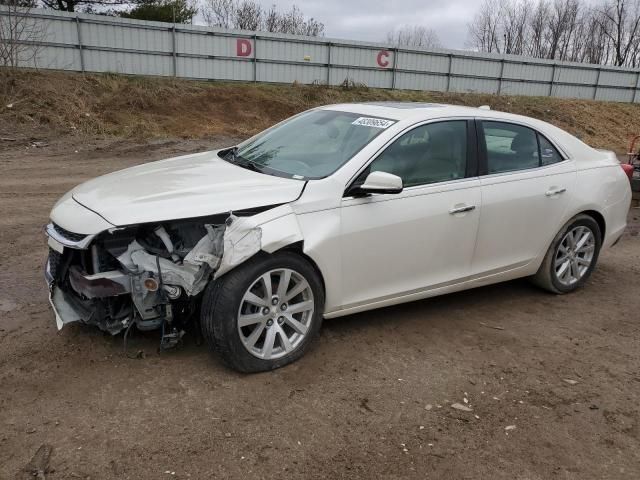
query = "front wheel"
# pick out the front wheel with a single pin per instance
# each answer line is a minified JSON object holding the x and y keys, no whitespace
{"x":571,"y":257}
{"x":265,"y":313}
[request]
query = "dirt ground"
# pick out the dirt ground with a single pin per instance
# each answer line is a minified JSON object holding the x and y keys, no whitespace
{"x":371,"y":400}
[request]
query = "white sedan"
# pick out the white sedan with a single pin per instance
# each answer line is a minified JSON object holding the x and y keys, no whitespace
{"x":337,"y":210}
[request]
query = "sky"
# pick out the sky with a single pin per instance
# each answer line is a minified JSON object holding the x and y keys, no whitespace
{"x":370,"y":20}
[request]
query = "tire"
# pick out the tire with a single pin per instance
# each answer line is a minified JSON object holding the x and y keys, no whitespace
{"x":551,"y":276}
{"x":231,"y":298}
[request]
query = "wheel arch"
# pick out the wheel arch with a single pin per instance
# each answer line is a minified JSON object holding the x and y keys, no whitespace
{"x":599,"y":218}
{"x":298,"y":248}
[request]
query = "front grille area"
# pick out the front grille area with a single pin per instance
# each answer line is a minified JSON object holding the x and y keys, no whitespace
{"x":57,"y":266}
{"x":74,"y":237}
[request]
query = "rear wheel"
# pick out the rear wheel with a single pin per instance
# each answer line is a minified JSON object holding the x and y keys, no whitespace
{"x":571,"y":257}
{"x":265,"y":313}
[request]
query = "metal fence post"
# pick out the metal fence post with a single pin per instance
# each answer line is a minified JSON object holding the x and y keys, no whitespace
{"x":329,"y":63}
{"x":595,"y":88}
{"x":255,"y":58}
{"x":449,"y":72}
{"x":635,"y":90}
{"x":173,"y":45}
{"x":500,"y":77}
{"x":393,"y":68}
{"x":80,"y":43}
{"x":553,"y":76}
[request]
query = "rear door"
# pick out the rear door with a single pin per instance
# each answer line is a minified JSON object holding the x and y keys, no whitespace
{"x":396,"y":244}
{"x":526,"y":185}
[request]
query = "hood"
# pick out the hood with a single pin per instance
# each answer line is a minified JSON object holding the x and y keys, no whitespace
{"x":182,"y":187}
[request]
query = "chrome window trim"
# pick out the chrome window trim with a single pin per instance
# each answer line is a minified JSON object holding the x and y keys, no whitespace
{"x":526,"y":170}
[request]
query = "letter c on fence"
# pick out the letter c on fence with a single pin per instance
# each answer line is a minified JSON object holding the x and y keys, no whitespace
{"x":243,"y":47}
{"x":382,"y":58}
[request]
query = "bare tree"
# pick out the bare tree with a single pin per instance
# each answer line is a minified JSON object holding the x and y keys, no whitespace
{"x":20,"y":34}
{"x":413,"y":36}
{"x":537,"y":25}
{"x":294,"y":22}
{"x":634,"y":56}
{"x":73,"y":5}
{"x":513,"y":26}
{"x":249,"y":15}
{"x":483,"y":29}
{"x":620,"y":22}
{"x":19,"y":3}
{"x":271,"y":19}
{"x":562,"y":23}
{"x":602,"y":31}
{"x":219,"y":13}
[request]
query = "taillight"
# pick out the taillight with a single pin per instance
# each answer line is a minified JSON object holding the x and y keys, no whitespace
{"x":628,"y":169}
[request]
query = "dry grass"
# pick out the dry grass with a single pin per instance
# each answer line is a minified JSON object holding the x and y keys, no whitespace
{"x":56,"y":104}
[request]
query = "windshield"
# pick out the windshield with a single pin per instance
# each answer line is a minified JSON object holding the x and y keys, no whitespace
{"x":308,"y":146}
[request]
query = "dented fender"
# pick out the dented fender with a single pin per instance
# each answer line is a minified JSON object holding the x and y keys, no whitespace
{"x":279,"y":229}
{"x":268,"y":231}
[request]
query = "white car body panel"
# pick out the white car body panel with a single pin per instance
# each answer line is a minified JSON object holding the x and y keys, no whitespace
{"x":182,"y":187}
{"x":387,"y":248}
{"x":76,"y":218}
{"x":505,"y":199}
{"x":402,"y":251}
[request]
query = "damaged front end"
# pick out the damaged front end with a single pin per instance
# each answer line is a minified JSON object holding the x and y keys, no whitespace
{"x":150,"y":275}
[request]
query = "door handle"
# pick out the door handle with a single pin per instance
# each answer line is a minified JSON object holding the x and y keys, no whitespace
{"x":556,"y":191}
{"x":464,"y":208}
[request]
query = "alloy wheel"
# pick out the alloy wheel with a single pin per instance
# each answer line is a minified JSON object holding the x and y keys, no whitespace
{"x":574,"y":255}
{"x":275,"y":313}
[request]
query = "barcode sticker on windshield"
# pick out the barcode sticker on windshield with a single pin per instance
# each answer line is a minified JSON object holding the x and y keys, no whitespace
{"x":373,"y":122}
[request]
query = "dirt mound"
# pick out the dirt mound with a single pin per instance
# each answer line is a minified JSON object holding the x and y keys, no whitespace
{"x":38,"y":105}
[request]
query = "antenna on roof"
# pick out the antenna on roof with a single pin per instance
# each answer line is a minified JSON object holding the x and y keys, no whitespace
{"x":484,"y":107}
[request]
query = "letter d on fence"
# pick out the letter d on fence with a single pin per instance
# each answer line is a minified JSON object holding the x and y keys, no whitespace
{"x":243,"y":47}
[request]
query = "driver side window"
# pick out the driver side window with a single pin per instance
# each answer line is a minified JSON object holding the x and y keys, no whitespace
{"x":431,"y":153}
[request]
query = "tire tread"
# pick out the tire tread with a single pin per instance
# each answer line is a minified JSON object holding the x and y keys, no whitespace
{"x":221,"y":295}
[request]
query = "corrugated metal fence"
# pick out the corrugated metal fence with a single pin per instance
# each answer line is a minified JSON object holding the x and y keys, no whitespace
{"x":96,"y":43}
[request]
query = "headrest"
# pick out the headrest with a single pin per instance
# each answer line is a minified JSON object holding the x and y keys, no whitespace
{"x":524,"y":143}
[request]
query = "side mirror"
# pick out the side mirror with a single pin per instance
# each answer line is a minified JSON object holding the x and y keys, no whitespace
{"x":381,"y":182}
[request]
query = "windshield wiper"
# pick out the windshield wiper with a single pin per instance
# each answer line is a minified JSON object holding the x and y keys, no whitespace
{"x":249,"y":165}
{"x":232,"y":157}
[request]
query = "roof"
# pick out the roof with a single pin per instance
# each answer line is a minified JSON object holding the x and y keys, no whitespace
{"x":407,"y":113}
{"x":409,"y":110}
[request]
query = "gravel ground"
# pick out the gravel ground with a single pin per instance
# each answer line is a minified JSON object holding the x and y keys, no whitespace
{"x":373,"y":399}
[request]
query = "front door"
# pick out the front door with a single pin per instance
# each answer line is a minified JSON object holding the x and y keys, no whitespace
{"x":397,"y":244}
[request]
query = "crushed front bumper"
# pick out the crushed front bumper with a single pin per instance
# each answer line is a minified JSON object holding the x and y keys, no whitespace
{"x":68,"y":307}
{"x":65,"y":311}
{"x":89,"y":308}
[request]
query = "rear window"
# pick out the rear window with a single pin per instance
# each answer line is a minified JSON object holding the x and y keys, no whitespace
{"x":512,"y":147}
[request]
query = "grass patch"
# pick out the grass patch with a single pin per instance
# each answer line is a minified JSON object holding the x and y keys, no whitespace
{"x":41,"y":105}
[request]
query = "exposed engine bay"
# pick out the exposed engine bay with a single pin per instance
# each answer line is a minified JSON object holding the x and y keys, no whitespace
{"x":150,"y":275}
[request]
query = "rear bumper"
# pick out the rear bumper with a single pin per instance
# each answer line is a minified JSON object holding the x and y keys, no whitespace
{"x":615,"y":217}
